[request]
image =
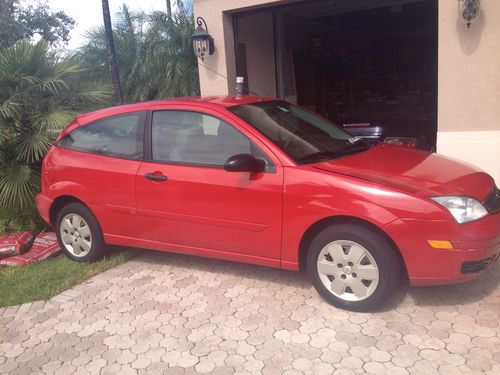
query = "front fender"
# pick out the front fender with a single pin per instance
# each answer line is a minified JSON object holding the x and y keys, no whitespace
{"x":311,"y":196}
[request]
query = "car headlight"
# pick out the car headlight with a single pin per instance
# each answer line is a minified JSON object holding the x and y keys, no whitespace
{"x":463,"y":209}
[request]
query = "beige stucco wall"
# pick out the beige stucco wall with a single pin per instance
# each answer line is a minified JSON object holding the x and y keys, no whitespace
{"x":469,"y":86}
{"x":469,"y":69}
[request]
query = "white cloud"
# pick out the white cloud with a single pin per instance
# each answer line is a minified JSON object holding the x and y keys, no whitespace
{"x":88,"y":13}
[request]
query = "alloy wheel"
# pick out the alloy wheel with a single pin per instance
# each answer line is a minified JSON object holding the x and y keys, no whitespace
{"x":76,"y":235}
{"x":348,"y":270}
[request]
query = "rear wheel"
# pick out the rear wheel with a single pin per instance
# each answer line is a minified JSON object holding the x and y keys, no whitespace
{"x":353,"y":267}
{"x":79,"y":233}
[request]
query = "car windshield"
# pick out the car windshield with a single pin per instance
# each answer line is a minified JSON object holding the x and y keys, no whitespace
{"x":304,"y":136}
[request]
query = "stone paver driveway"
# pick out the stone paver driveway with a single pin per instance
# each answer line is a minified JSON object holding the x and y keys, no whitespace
{"x":173,"y":314}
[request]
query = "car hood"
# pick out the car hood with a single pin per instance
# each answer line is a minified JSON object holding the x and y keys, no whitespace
{"x":414,"y":171}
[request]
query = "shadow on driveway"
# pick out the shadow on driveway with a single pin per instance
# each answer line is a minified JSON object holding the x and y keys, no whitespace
{"x":442,"y":295}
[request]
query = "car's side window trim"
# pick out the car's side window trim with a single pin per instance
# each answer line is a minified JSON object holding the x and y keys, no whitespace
{"x":148,"y":142}
{"x":141,"y":126}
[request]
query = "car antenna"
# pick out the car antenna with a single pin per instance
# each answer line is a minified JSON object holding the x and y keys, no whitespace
{"x":240,"y":81}
{"x":237,"y":82}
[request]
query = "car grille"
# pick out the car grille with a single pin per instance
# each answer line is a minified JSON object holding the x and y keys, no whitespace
{"x":492,"y":203}
{"x":477,"y":266}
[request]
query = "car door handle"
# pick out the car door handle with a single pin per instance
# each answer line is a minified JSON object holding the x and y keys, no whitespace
{"x":155,"y":177}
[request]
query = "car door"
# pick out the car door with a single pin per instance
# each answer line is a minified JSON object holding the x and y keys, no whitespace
{"x":188,"y":202}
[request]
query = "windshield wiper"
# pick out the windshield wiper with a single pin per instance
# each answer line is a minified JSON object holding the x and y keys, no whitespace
{"x":317,"y":156}
{"x":356,"y":146}
{"x":351,"y":148}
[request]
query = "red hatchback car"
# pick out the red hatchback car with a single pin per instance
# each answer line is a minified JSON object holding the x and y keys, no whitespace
{"x":264,"y":181}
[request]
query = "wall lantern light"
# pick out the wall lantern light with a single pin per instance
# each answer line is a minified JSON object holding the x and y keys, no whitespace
{"x":469,"y":10}
{"x":203,"y":42}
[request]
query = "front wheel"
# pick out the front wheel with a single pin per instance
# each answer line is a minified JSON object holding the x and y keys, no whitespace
{"x":353,"y":267}
{"x":79,"y":233}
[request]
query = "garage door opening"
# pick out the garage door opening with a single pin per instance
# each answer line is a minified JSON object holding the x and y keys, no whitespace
{"x":369,"y":65}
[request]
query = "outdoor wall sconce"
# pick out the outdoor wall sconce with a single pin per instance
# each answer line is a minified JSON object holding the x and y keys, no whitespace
{"x":203,"y":42}
{"x":469,"y":10}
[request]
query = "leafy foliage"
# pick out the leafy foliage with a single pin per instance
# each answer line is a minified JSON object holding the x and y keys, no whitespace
{"x":154,"y":53}
{"x":25,"y":20}
{"x":41,"y":92}
{"x":39,"y":96}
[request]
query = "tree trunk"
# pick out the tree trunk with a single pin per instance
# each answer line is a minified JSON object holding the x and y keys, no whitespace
{"x":110,"y":47}
{"x":169,"y":10}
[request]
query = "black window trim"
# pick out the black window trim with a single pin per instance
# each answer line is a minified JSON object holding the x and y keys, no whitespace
{"x":141,"y":124}
{"x":148,"y":142}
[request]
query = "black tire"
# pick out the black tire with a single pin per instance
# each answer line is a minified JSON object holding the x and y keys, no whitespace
{"x":380,"y":249}
{"x":97,"y":245}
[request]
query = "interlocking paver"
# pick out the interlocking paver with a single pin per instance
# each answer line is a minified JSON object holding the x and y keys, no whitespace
{"x":374,"y":368}
{"x":164,"y":313}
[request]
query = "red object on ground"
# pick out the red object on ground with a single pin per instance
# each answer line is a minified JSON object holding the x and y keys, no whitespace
{"x":15,"y":243}
{"x":44,"y":246}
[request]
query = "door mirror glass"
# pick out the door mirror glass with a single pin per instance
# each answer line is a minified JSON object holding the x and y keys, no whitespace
{"x":245,"y":163}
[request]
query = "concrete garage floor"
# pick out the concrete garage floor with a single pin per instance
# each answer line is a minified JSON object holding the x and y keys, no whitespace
{"x":166,"y":313}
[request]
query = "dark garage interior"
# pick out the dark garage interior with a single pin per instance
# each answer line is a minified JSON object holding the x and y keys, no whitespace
{"x":366,"y":65}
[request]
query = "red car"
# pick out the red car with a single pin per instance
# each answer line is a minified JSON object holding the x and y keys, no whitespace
{"x":263,"y":181}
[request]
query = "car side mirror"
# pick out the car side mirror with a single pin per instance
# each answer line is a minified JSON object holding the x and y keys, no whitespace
{"x":245,"y":163}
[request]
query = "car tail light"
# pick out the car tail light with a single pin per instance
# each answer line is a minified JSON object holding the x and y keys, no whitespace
{"x":48,"y":171}
{"x":408,"y":142}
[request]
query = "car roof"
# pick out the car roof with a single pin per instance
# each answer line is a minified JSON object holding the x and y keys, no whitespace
{"x":216,"y":101}
{"x":223,"y":101}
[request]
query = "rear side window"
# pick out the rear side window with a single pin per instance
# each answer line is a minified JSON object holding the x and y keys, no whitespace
{"x":117,"y":136}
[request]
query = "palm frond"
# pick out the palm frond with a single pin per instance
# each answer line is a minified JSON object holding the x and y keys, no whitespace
{"x":53,"y":120}
{"x":18,"y":185}
{"x":39,"y":95}
{"x":32,"y":146}
{"x":11,"y":107}
{"x":20,"y":221}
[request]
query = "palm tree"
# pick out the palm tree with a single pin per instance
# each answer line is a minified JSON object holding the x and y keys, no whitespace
{"x":110,"y":47}
{"x":167,"y":49}
{"x":39,"y":96}
{"x":169,"y":9}
{"x":128,"y":35}
{"x":154,"y":54}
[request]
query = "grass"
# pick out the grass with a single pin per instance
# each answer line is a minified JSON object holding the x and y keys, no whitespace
{"x":43,"y":280}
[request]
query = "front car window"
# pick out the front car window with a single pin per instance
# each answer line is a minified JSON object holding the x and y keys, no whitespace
{"x":302,"y":135}
{"x":120,"y":136}
{"x":185,"y":137}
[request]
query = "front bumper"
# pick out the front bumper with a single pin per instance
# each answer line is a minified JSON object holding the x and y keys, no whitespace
{"x":43,"y":204}
{"x":476,"y":247}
